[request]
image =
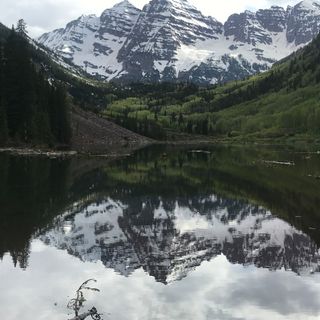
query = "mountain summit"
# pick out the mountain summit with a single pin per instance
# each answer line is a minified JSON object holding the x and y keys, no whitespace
{"x":171,"y":40}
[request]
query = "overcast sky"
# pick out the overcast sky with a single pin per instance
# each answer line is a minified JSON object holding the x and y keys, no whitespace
{"x":46,"y":15}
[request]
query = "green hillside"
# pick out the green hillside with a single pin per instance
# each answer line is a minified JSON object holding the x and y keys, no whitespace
{"x":282,"y":103}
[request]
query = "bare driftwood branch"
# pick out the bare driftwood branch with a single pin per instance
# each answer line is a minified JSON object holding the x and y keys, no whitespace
{"x":82,"y":316}
{"x":77,"y":303}
{"x":93,"y":313}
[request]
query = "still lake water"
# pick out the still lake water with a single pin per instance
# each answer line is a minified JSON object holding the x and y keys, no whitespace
{"x":221,"y":234}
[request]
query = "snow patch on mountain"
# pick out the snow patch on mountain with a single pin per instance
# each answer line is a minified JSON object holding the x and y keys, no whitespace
{"x":172,"y":40}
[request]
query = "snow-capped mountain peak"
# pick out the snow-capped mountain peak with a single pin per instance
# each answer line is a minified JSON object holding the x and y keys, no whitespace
{"x":303,"y":22}
{"x":123,"y":7}
{"x":309,"y":5}
{"x":171,"y":40}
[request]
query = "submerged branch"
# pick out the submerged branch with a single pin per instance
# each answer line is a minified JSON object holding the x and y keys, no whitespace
{"x":77,"y":303}
{"x":93,"y":313}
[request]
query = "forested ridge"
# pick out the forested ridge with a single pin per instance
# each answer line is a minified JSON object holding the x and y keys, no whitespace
{"x":281,"y":103}
{"x":33,"y":108}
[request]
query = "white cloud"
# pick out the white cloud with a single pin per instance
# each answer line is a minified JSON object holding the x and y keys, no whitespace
{"x":214,"y":290}
{"x":46,"y":15}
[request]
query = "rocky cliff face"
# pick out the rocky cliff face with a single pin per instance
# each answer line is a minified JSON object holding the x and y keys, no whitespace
{"x":94,"y":43}
{"x":171,"y":40}
{"x":170,"y":239}
{"x":303,"y":22}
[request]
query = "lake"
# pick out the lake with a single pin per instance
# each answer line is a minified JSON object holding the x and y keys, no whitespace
{"x":173,"y":233}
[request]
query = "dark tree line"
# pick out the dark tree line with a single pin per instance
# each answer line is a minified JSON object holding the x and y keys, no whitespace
{"x":32,"y":110}
{"x":146,"y":127}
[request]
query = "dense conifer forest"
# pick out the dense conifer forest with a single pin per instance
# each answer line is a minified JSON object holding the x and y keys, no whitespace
{"x":33,"y":109}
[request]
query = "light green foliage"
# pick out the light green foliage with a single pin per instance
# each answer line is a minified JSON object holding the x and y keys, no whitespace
{"x":283,"y":102}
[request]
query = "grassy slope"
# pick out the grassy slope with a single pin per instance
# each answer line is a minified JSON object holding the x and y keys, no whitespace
{"x":275,"y":115}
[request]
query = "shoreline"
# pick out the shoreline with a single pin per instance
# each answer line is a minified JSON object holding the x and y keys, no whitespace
{"x":116,"y":151}
{"x":35,"y":152}
{"x":97,"y":151}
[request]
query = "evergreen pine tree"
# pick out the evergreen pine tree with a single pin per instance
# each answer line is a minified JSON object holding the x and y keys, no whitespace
{"x":31,"y":109}
{"x":3,"y":125}
{"x":21,"y":28}
{"x":3,"y":116}
{"x":19,"y":87}
{"x":59,"y":115}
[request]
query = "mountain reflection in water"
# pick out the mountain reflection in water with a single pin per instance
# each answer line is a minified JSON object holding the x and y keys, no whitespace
{"x":209,"y":225}
{"x":170,"y":239}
